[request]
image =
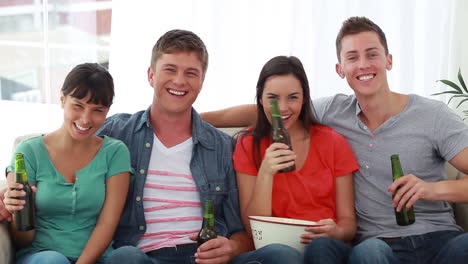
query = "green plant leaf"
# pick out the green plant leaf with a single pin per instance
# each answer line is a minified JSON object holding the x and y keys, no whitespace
{"x":451,"y":84}
{"x":448,"y":92}
{"x":462,"y":101}
{"x":456,"y":96}
{"x":466,"y":114}
{"x":456,"y":92}
{"x":462,"y":82}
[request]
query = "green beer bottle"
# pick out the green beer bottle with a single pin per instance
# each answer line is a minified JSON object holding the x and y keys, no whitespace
{"x":279,"y":133}
{"x":24,"y":219}
{"x":207,"y":231}
{"x":405,"y":216}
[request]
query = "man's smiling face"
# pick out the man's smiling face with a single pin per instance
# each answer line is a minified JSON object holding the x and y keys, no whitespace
{"x":363,"y":63}
{"x":177,"y":79}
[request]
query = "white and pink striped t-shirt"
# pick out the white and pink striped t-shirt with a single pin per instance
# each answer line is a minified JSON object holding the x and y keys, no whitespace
{"x":171,"y":200}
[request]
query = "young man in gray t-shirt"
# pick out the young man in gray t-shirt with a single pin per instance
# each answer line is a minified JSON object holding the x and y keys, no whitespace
{"x":378,"y":123}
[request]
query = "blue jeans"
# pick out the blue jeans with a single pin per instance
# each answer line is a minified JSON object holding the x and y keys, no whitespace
{"x":274,"y":253}
{"x":49,"y":257}
{"x":435,"y":247}
{"x":326,"y":250}
{"x":270,"y":254}
{"x":133,"y":255}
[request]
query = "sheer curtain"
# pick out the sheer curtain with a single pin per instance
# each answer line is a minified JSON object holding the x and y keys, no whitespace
{"x":425,"y":38}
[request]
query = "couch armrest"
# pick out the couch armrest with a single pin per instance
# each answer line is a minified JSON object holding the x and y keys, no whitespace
{"x":7,"y":252}
{"x":460,"y":209}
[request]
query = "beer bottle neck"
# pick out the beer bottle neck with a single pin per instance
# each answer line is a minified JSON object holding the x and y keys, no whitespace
{"x":208,"y":222}
{"x":277,"y":122}
{"x":208,"y":215}
{"x":397,"y":171}
{"x":20,"y":169}
{"x":22,"y":177}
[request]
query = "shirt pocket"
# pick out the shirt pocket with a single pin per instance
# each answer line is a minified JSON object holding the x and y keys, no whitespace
{"x":217,"y":191}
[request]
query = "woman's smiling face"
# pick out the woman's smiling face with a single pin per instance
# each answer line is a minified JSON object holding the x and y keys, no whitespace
{"x":288,"y":91}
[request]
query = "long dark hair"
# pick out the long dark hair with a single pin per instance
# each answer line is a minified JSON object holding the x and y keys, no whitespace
{"x":280,"y":65}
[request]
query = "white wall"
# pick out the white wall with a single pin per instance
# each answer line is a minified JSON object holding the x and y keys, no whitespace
{"x":38,"y":118}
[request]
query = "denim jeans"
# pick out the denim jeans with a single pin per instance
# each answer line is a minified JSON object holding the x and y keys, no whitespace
{"x":326,"y":250}
{"x":49,"y":257}
{"x":270,"y":254}
{"x":435,"y":247}
{"x":133,"y":255}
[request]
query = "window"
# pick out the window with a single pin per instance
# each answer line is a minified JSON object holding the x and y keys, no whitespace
{"x":40,"y":42}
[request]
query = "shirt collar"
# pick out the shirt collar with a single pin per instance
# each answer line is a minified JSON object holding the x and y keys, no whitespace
{"x":144,"y":120}
{"x":358,"y":108}
{"x":199,"y":132}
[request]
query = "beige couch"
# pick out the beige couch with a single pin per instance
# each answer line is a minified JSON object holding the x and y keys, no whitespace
{"x":6,"y":247}
{"x":7,"y":253}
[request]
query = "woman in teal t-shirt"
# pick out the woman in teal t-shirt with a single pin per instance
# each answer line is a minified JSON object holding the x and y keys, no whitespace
{"x":81,"y":179}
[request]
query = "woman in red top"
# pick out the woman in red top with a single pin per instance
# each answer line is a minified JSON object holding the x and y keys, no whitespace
{"x":321,"y":187}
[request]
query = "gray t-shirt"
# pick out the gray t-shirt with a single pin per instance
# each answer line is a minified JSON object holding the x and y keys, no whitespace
{"x":425,"y":135}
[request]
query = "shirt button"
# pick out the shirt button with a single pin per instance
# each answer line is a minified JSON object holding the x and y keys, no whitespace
{"x":141,"y":227}
{"x":367,"y":166}
{"x":148,"y":145}
{"x":218,"y":188}
{"x":138,"y":198}
{"x":142,"y":171}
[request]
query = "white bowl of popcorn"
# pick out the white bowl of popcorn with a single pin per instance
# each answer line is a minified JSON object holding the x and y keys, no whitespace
{"x":268,"y":230}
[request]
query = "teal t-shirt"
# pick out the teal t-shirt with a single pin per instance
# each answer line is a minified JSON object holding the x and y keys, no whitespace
{"x":67,"y":213}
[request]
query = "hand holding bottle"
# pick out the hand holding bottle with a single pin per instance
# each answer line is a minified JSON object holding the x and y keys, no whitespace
{"x":25,"y":207}
{"x":216,"y":250}
{"x":278,"y":156}
{"x":405,"y":214}
{"x":15,"y":190}
{"x":211,"y":247}
{"x":279,"y":132}
{"x":207,"y":232}
{"x":409,"y":188}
